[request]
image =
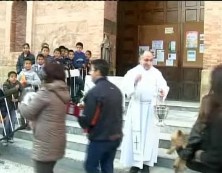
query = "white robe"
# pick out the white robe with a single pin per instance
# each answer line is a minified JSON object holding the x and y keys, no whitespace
{"x":141,"y":134}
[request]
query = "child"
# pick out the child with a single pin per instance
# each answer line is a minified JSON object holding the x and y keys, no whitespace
{"x":12,"y":89}
{"x":57,"y":56}
{"x":79,"y":56}
{"x":66,"y":53}
{"x":45,"y":51}
{"x":38,"y":67}
{"x":88,"y":54}
{"x":68,"y":62}
{"x":25,"y":54}
{"x":29,"y":79}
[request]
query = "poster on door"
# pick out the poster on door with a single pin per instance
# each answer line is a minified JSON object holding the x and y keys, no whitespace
{"x":191,"y":39}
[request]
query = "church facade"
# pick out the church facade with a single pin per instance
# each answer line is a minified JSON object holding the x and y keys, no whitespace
{"x":188,"y":33}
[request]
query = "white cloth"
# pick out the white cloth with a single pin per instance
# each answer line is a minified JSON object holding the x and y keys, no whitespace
{"x":28,"y":97}
{"x":141,"y":135}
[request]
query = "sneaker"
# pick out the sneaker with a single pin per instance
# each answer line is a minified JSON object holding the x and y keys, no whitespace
{"x":5,"y":143}
{"x":11,"y":141}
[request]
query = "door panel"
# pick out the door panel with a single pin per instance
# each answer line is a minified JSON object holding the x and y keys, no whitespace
{"x":130,"y":14}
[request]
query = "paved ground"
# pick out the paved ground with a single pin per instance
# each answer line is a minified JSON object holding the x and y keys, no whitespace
{"x":13,"y":167}
{"x":7,"y":166}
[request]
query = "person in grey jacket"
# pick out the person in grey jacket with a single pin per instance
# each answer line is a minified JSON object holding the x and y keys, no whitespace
{"x":47,"y":112}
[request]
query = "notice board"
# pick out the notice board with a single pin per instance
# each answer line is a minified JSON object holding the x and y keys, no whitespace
{"x":193,"y":44}
{"x":167,"y":36}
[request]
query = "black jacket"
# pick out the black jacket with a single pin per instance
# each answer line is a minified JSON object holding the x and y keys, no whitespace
{"x":9,"y":90}
{"x":20,"y":61}
{"x":212,"y":144}
{"x":194,"y":142}
{"x":109,"y":124}
{"x":210,"y":141}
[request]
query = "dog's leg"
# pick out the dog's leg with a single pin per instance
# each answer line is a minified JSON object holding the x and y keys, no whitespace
{"x":171,"y":150}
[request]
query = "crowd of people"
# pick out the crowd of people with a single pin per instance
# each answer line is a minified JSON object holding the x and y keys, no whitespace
{"x":102,"y":116}
{"x":30,"y":73}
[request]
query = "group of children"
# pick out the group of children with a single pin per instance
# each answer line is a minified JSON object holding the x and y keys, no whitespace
{"x":30,"y":74}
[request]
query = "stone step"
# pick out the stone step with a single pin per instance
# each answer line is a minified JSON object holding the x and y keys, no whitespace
{"x":79,"y":142}
{"x":179,"y":105}
{"x":25,"y":146}
{"x":21,"y":150}
{"x":183,"y":106}
{"x":175,"y":120}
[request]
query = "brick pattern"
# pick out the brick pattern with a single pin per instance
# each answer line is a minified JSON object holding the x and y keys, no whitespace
{"x":213,"y":34}
{"x":110,"y":10}
{"x":18,"y":25}
{"x":213,"y":42}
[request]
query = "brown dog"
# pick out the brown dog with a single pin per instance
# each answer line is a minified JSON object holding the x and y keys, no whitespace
{"x":178,"y":138}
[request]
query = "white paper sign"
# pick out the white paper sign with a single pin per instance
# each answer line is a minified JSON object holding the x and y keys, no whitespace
{"x":169,"y":62}
{"x":154,"y":61}
{"x":191,"y":39}
{"x":169,"y":30}
{"x":172,"y":56}
{"x":201,"y":48}
{"x":157,"y":44}
{"x":202,"y":37}
{"x":173,"y":46}
{"x":160,"y":55}
{"x":191,"y":55}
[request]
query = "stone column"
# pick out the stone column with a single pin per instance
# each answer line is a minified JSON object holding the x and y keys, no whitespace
{"x":213,"y":41}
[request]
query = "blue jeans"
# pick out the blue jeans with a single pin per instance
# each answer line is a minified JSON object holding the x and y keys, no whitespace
{"x":100,"y":155}
{"x":7,"y":124}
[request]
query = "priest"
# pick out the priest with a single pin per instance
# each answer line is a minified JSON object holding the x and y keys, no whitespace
{"x":145,"y":86}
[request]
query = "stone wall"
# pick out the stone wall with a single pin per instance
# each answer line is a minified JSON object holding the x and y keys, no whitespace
{"x":213,"y":41}
{"x":57,"y":23}
{"x":67,"y":22}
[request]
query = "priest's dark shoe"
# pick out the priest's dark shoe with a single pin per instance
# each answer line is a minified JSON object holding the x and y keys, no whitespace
{"x":146,"y":169}
{"x":134,"y":169}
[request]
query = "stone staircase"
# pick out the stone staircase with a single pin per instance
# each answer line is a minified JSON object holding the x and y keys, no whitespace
{"x":181,"y":115}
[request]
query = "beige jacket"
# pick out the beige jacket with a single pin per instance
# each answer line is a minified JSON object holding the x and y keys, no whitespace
{"x":47,"y":112}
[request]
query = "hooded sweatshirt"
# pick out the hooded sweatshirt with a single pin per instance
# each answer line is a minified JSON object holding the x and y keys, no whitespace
{"x":47,"y":111}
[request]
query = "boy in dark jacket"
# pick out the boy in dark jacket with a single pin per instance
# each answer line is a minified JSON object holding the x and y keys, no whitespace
{"x":12,"y":88}
{"x":79,"y":56}
{"x":25,"y":54}
{"x":102,"y":117}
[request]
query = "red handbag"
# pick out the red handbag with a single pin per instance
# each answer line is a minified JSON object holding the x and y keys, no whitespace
{"x":73,"y":109}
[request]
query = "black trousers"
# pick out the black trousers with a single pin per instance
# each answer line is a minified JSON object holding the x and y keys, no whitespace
{"x":44,"y":167}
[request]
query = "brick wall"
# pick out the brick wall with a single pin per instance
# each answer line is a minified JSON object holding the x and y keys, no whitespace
{"x":213,"y":41}
{"x":18,"y":26}
{"x":213,"y":34}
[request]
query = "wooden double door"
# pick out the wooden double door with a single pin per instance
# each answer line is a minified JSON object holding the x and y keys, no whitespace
{"x":140,"y":23}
